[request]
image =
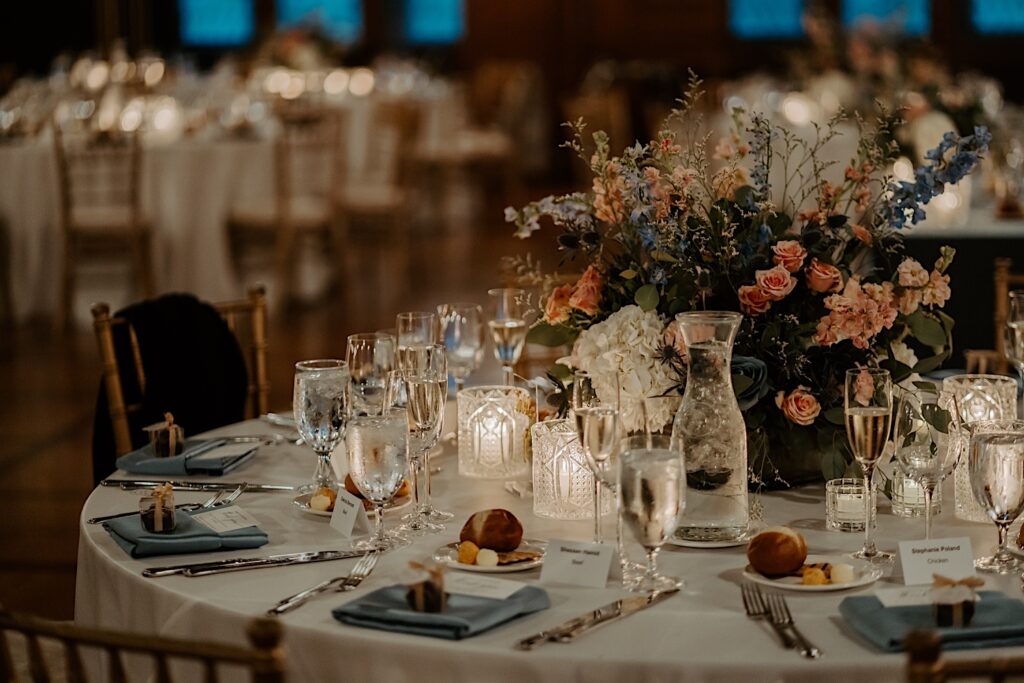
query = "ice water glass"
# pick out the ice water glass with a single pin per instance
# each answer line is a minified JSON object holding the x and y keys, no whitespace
{"x":319,"y":402}
{"x":462,"y":333}
{"x":378,"y":459}
{"x":370,"y":357}
{"x":1013,"y":337}
{"x":996,"y":462}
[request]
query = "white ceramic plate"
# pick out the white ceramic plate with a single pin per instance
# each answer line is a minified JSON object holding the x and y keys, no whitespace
{"x":449,"y":554}
{"x":302,"y":502}
{"x":864,"y":574}
{"x":684,"y":543}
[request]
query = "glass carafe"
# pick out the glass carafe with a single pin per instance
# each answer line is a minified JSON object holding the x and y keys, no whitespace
{"x":711,"y":432}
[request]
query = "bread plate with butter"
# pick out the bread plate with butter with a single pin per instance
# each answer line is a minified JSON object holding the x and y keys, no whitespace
{"x":491,"y":541}
{"x":529,"y":555}
{"x":862,"y":574}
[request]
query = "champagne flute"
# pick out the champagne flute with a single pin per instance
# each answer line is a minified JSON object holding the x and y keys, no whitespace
{"x":462,"y":332}
{"x":587,"y":407}
{"x":319,"y":403}
{"x":996,"y":464}
{"x":1013,"y":342}
{"x":868,"y":411}
{"x":415,"y":330}
{"x":378,"y":460}
{"x":426,"y":389}
{"x":652,"y":491}
{"x":508,"y":328}
{"x":926,"y":435}
{"x":370,"y":357}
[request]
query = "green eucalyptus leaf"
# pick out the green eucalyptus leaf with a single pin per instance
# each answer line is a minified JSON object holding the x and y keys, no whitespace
{"x":929,"y":364}
{"x":833,"y":465}
{"x":930,"y":387}
{"x":562,"y":372}
{"x":899,"y":371}
{"x":937,"y":417}
{"x":547,"y":334}
{"x":663,"y":256}
{"x":647,"y":297}
{"x":835,"y":416}
{"x":926,"y":329}
{"x":628,"y":274}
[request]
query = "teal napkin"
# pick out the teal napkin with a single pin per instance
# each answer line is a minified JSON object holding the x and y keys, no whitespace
{"x":387,"y":610}
{"x":143,"y":461}
{"x":998,"y":622}
{"x":189,"y":536}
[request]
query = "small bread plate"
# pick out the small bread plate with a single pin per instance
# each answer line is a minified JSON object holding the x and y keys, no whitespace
{"x":676,"y":540}
{"x":449,"y":554}
{"x":302,"y":502}
{"x":864,"y":574}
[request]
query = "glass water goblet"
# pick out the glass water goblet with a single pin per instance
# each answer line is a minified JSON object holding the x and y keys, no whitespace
{"x":925,"y":433}
{"x":370,"y":357}
{"x":508,"y":327}
{"x":426,"y":389}
{"x":652,"y":491}
{"x":462,"y":333}
{"x":868,"y":413}
{"x":1013,"y":338}
{"x":415,"y":331}
{"x":378,"y":459}
{"x":319,"y":402}
{"x":996,"y":462}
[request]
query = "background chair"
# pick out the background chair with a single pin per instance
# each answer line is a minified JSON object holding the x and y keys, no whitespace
{"x":1005,"y":280}
{"x":52,"y":651}
{"x":180,"y":355}
{"x":98,"y":180}
{"x":925,"y":663}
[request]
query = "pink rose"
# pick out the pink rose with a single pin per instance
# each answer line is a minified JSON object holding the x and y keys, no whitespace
{"x":862,"y":234}
{"x":775,"y":283}
{"x":863,"y":388}
{"x":789,"y":254}
{"x":586,"y":295}
{"x":800,"y":407}
{"x":557,"y":308}
{"x":753,"y":300}
{"x":823,"y":277}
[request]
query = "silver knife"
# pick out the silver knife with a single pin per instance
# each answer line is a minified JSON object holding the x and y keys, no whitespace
{"x":130,"y":484}
{"x":240,"y":563}
{"x":570,"y":630}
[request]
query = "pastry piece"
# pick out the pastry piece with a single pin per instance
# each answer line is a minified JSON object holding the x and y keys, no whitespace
{"x":487,"y":558}
{"x":497,"y":529}
{"x":468,"y":552}
{"x":814,"y":576}
{"x":516,"y":556}
{"x":323,"y":499}
{"x":351,"y":487}
{"x":777,"y":551}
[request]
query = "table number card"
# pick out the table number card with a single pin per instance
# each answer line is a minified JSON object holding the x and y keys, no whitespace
{"x":950,"y":557}
{"x":578,"y":564}
{"x":349,"y":517}
{"x":480,"y":586}
{"x":226,"y":519}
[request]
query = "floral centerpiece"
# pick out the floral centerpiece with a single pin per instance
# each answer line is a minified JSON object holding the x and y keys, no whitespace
{"x":819,"y":270}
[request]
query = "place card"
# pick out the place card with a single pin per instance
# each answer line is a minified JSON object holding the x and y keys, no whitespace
{"x":349,"y":517}
{"x":576,"y":563}
{"x":226,"y":519}
{"x":480,"y":586}
{"x":951,"y":557}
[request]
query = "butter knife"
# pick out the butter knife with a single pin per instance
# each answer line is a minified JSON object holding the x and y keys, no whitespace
{"x":129,"y":484}
{"x":570,"y":630}
{"x":239,"y":563}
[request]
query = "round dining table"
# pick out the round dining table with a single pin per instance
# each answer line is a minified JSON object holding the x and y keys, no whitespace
{"x":700,"y":634}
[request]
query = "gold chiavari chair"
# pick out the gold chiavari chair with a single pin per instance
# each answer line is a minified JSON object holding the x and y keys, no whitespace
{"x":52,"y":651}
{"x":925,"y":663}
{"x":1005,"y":280}
{"x":247,"y":319}
{"x":98,"y":179}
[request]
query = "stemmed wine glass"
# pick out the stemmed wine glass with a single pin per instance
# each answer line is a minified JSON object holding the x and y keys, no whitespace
{"x":926,"y":435}
{"x":868,"y":411}
{"x":597,"y":426}
{"x":652,"y":490}
{"x":378,"y":451}
{"x":415,"y":330}
{"x":319,"y":403}
{"x":1013,"y":341}
{"x":996,"y":464}
{"x":508,"y":328}
{"x":462,"y":333}
{"x":370,"y":357}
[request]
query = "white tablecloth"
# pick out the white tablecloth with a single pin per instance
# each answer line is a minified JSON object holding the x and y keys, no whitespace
{"x":699,"y":635}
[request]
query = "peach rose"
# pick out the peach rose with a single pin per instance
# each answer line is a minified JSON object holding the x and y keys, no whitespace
{"x":775,"y":283}
{"x":753,"y":300}
{"x":586,"y":295}
{"x":789,"y":254}
{"x":823,"y":277}
{"x":557,"y":308}
{"x":862,"y":233}
{"x":800,"y":407}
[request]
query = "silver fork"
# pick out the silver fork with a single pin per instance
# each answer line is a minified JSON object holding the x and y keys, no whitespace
{"x":359,"y":572}
{"x":781,"y":615}
{"x":753,"y":603}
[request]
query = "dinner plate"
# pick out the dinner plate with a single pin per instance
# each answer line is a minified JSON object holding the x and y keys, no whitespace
{"x":685,"y":543}
{"x":864,"y":574}
{"x":302,"y":502}
{"x":449,"y":554}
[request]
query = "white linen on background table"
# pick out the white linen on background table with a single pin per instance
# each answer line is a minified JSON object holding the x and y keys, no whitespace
{"x":700,"y":635}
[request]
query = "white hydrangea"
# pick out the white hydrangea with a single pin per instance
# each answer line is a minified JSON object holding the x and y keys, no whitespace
{"x":626,"y":345}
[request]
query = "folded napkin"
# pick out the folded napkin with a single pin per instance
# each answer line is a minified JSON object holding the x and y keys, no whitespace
{"x":189,"y":536}
{"x":998,"y":622}
{"x":144,"y":461}
{"x":387,"y":610}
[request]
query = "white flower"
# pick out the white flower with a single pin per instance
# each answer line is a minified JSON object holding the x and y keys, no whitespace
{"x":625,"y":345}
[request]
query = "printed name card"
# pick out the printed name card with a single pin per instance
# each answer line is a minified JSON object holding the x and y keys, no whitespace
{"x":951,"y":557}
{"x":578,"y":564}
{"x":480,"y":586}
{"x":226,"y":519}
{"x":349,"y":517}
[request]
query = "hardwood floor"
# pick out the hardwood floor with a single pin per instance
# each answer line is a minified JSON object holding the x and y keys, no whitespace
{"x":51,"y":380}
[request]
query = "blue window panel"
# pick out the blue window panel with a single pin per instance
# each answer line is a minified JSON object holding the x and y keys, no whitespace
{"x":760,"y":19}
{"x":342,"y":20}
{"x":216,"y":22}
{"x":998,"y":16}
{"x":913,"y":17}
{"x":434,"y":22}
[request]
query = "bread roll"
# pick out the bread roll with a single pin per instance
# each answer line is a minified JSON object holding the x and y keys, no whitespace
{"x":777,"y":551}
{"x":498,"y":530}
{"x":351,"y":487}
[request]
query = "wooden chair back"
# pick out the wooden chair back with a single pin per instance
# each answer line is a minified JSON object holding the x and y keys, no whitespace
{"x":306,"y":157}
{"x":925,"y":663}
{"x":391,"y":149}
{"x":264,"y":659}
{"x":246,"y":318}
{"x":1005,"y":280}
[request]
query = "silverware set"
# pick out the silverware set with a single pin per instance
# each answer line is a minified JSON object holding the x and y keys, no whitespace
{"x":339,"y":584}
{"x":133,"y":484}
{"x":772,"y":607}
{"x":242,"y":563}
{"x":219,"y":499}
